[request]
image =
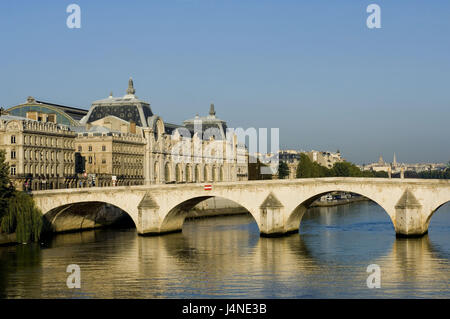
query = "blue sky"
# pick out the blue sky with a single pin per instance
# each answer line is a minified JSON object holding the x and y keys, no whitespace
{"x":311,"y":68}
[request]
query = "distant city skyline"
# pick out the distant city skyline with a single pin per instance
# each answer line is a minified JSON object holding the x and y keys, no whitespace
{"x":312,"y":69}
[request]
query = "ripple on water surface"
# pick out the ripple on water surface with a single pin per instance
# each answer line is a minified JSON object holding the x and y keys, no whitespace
{"x":224,"y":257}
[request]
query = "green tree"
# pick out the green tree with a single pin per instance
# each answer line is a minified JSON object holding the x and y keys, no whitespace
{"x":22,"y":217}
{"x":304,"y":167}
{"x":18,"y":213}
{"x":6,"y":190}
{"x":283,"y":170}
{"x":347,"y":169}
{"x":341,"y":169}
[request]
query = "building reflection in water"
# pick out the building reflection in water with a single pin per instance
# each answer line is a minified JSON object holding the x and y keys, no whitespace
{"x":20,"y":271}
{"x":225,"y":257}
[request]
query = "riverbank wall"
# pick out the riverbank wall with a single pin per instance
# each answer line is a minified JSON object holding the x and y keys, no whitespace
{"x":7,"y":239}
{"x":337,"y":202}
{"x":215,"y":207}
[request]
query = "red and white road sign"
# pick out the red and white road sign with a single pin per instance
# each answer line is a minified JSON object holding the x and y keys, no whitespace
{"x":208,"y":187}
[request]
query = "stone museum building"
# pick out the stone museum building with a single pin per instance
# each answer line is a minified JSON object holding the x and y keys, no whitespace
{"x":118,"y":141}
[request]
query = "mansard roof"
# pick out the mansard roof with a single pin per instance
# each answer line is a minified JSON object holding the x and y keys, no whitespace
{"x":209,"y":124}
{"x":128,"y":108}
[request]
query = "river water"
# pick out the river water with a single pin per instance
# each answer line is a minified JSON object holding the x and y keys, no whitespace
{"x":224,"y":257}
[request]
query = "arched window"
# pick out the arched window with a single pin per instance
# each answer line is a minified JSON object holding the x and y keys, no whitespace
{"x":156,"y":171}
{"x":197,"y":174}
{"x":188,"y":173}
{"x":205,"y":173}
{"x":167,"y":173}
{"x":179,"y":177}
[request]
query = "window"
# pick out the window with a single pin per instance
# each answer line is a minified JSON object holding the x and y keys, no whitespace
{"x":90,"y":148}
{"x":13,"y":170}
{"x":80,"y":148}
{"x":103,"y":161}
{"x":90,"y":159}
{"x":13,"y":154}
{"x":103,"y":148}
{"x":13,"y":139}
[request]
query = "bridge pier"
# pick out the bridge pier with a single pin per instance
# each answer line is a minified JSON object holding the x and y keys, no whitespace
{"x":272,"y":223}
{"x":150,"y":224}
{"x":409,"y":221}
{"x":149,"y":221}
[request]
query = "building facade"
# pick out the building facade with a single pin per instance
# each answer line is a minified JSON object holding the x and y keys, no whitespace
{"x":40,"y":155}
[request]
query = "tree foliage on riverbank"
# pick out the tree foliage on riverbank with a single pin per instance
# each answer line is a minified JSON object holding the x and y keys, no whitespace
{"x":435,"y":174}
{"x":23,"y":218}
{"x":283,"y":170}
{"x":18,"y":213}
{"x":6,"y":190}
{"x":309,"y":169}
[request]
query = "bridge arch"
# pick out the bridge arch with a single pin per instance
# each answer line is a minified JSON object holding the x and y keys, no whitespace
{"x":176,"y":215}
{"x":84,"y":215}
{"x":295,"y":216}
{"x":428,"y":220}
{"x":52,"y":202}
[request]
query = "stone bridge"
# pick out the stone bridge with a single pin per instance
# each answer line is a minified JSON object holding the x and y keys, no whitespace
{"x":276,"y":205}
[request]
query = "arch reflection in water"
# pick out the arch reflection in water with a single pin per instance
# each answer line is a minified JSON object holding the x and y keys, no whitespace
{"x":225,"y":257}
{"x":339,"y":234}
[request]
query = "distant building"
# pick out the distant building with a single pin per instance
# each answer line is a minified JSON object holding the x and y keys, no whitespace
{"x":256,"y":169}
{"x":396,"y":167}
{"x":324,"y":158}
